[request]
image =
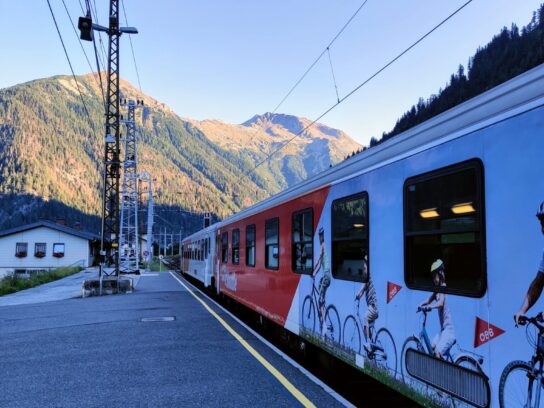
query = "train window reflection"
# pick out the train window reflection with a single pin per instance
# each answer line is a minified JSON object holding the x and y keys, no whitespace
{"x":272,"y":258}
{"x":250,"y":245}
{"x":454,"y":234}
{"x":236,"y":246}
{"x":225,"y":247}
{"x":303,"y":245}
{"x":350,"y":234}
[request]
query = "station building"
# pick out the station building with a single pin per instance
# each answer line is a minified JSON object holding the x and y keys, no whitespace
{"x":46,"y":245}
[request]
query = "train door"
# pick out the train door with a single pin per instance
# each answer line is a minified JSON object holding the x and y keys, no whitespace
{"x":216,"y":259}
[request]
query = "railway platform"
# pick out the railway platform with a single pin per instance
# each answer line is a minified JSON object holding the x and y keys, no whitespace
{"x":163,"y":345}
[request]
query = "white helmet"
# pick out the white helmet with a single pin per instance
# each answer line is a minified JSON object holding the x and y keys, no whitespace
{"x":435,"y":267}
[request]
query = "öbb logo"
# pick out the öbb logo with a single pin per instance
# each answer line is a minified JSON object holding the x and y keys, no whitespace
{"x":392,"y":290}
{"x":485,"y":332}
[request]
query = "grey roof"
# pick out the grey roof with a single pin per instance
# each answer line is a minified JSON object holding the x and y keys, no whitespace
{"x":48,"y":224}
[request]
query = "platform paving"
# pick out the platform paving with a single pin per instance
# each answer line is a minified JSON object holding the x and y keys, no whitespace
{"x":98,"y":352}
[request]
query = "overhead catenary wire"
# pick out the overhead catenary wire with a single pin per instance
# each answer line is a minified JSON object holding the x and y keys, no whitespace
{"x":333,"y":77}
{"x":103,"y":55}
{"x":132,"y":48}
{"x":357,"y":88}
{"x":98,"y":83}
{"x":88,"y":12}
{"x":313,"y":64}
{"x":71,"y":67}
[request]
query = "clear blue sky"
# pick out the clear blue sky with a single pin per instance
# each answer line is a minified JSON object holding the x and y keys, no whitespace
{"x":232,"y":59}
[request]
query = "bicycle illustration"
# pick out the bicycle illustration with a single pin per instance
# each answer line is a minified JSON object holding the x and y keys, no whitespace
{"x":330,"y":321}
{"x":380,"y":347}
{"x":521,"y":381}
{"x":423,"y":344}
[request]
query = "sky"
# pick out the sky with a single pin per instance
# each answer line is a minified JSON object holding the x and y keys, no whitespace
{"x":230,"y":60}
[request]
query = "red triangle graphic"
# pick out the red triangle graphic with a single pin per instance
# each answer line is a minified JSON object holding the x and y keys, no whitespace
{"x":485,"y":332}
{"x":392,"y":290}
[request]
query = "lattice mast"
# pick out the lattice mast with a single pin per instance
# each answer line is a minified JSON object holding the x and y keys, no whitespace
{"x":129,"y":251}
{"x":148,"y":252}
{"x":110,"y":205}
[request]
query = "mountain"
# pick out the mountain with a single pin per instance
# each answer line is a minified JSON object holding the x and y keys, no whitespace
{"x":51,"y":154}
{"x":314,"y":150}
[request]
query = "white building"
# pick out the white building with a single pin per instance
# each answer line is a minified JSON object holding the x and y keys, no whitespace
{"x":45,"y":245}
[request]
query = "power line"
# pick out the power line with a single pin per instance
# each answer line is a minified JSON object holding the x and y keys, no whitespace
{"x":83,"y":49}
{"x":132,"y":48}
{"x":366,"y":81}
{"x":297,"y":83}
{"x":70,"y":63}
{"x":94,"y":15}
{"x":312,"y":65}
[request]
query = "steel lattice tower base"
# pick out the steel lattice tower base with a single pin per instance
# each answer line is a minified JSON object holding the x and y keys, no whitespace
{"x":129,"y":250}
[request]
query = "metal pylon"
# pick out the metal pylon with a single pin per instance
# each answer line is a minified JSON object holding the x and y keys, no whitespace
{"x":129,"y":251}
{"x":110,"y":204}
{"x":148,"y":251}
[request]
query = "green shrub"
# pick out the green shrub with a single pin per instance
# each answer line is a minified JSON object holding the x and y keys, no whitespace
{"x":12,"y":284}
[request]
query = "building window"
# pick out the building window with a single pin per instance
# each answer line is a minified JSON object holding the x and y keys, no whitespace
{"x":303,"y":242}
{"x":350,"y":231}
{"x":39,"y":249}
{"x":58,"y":250}
{"x":225,"y":247}
{"x":272,"y":244}
{"x":236,"y":246}
{"x":444,"y":227}
{"x":250,"y":245}
{"x":21,"y":249}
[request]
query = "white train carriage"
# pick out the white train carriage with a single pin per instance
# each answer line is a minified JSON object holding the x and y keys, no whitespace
{"x":197,"y":254}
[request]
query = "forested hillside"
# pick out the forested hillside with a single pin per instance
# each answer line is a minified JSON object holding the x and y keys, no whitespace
{"x":508,"y":54}
{"x":51,"y":156}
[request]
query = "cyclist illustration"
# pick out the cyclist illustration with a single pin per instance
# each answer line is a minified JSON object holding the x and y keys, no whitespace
{"x":371,"y":314}
{"x":314,"y":309}
{"x":325,"y":281}
{"x":535,"y":289}
{"x":444,"y":340}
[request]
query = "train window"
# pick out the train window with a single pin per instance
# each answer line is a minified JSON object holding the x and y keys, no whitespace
{"x":250,"y":245}
{"x":272,"y":243}
{"x":303,"y":241}
{"x":350,"y":231}
{"x":225,"y":247}
{"x":444,"y":228}
{"x":236,"y":246}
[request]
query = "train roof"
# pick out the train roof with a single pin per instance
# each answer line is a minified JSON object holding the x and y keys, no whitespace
{"x":518,"y":95}
{"x":200,"y":233}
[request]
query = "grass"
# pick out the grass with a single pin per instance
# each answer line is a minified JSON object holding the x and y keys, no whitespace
{"x":422,"y":398}
{"x":154,"y":265}
{"x":12,"y":284}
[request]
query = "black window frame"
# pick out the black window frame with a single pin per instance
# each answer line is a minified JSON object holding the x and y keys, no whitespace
{"x":19,"y":251}
{"x":254,"y":246}
{"x":364,"y":279}
{"x":478,"y":165}
{"x":235,"y":249}
{"x":40,"y":245}
{"x":275,"y":220}
{"x":302,"y":242}
{"x":225,"y":247}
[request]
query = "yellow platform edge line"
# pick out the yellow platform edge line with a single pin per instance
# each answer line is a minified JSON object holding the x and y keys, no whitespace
{"x":279,"y":376}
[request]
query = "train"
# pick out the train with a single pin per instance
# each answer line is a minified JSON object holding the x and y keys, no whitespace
{"x":408,"y":260}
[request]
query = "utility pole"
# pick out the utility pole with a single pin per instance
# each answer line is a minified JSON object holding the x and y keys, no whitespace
{"x":110,"y":193}
{"x":129,"y":248}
